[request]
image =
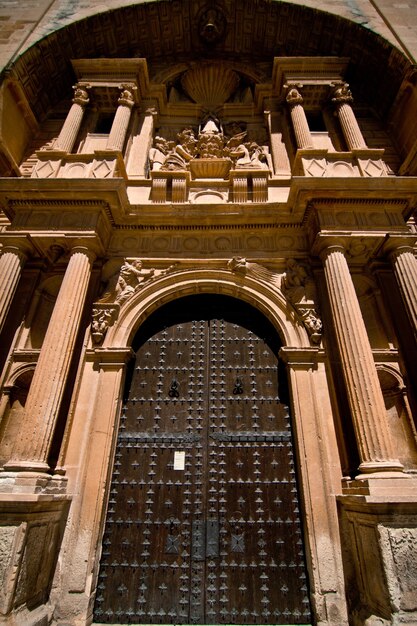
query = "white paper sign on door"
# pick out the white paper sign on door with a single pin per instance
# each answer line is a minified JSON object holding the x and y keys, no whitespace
{"x":179,"y":460}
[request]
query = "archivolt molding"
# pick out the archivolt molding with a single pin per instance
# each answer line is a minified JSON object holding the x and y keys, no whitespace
{"x":21,"y":376}
{"x":265,"y":297}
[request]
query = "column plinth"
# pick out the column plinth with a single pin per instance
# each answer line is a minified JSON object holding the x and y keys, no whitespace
{"x":72,"y":124}
{"x":46,"y":391}
{"x":299,"y":120}
{"x":12,"y":260}
{"x":121,"y":120}
{"x":342,"y":98}
{"x":363,"y":389}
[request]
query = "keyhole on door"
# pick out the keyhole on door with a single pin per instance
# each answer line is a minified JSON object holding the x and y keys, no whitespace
{"x":174,"y":389}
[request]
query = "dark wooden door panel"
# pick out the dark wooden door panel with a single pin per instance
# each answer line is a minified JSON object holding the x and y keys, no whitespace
{"x":203,"y":519}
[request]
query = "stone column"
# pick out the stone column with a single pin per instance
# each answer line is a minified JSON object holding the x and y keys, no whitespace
{"x":72,"y":124}
{"x":12,"y":260}
{"x":48,"y":383}
{"x":404,"y":263}
{"x":299,"y":120}
{"x":363,"y":389}
{"x":342,"y":99}
{"x":121,"y":119}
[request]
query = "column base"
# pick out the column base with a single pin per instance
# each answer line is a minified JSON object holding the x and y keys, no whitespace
{"x":391,"y":469}
{"x":26,"y":466}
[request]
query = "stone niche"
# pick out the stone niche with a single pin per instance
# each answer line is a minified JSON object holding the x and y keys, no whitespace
{"x":380,"y":554}
{"x":31,"y":529}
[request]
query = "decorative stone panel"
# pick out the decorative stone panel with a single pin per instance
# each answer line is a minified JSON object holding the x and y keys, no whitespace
{"x":30,"y":533}
{"x":399,"y":551}
{"x":381,"y":557}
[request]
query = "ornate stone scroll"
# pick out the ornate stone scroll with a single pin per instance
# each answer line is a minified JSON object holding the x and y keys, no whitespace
{"x":104,"y":316}
{"x":299,"y":289}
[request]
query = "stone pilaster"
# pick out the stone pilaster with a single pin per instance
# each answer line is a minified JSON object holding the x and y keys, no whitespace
{"x":72,"y":124}
{"x":46,"y":391}
{"x":342,"y":98}
{"x":12,"y":260}
{"x":121,"y":119}
{"x":401,"y":254}
{"x":299,"y":119}
{"x":363,"y":390}
{"x":141,"y":145}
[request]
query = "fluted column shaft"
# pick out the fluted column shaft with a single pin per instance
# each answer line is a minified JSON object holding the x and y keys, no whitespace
{"x":47,"y":387}
{"x":353,"y":135}
{"x":361,"y":378}
{"x":404,"y":264}
{"x":299,"y":119}
{"x":72,"y":124}
{"x":121,"y":120}
{"x":12,"y":260}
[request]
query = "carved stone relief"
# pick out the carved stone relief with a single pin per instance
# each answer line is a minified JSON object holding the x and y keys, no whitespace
{"x":296,"y":284}
{"x":121,"y":286}
{"x":399,"y":548}
{"x":198,"y":151}
{"x":300,"y":290}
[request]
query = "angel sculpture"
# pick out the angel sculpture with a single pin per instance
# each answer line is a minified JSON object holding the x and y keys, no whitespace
{"x":131,"y":277}
{"x":240,"y":265}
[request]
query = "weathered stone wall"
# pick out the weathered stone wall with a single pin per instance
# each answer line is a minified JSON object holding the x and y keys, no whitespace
{"x":24,"y":22}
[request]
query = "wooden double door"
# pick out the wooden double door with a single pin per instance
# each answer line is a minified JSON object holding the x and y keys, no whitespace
{"x":203,"y":522}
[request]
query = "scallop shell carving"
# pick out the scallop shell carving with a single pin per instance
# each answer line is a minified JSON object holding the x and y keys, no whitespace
{"x":210,"y":85}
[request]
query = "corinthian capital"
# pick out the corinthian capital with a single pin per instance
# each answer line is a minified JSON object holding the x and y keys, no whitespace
{"x":342,"y":94}
{"x":127,"y":97}
{"x":294,"y":96}
{"x":80,"y":95}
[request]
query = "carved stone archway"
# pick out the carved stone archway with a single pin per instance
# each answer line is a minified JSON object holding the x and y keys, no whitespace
{"x":101,"y":385}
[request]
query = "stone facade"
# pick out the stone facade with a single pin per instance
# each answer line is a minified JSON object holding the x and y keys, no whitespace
{"x":260,"y":150}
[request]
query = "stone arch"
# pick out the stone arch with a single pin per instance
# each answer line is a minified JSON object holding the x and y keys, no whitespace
{"x":97,"y":418}
{"x":12,"y":411}
{"x":267,"y":299}
{"x":398,"y":415}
